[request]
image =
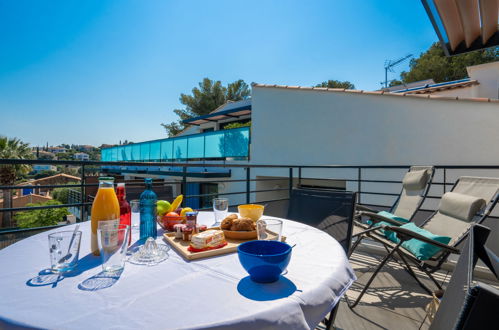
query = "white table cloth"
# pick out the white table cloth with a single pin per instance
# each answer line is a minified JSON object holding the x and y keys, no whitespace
{"x":211,"y":293}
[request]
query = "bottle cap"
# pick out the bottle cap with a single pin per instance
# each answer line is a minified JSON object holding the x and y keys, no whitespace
{"x":106,"y":178}
{"x":191,"y":214}
{"x":121,"y":184}
{"x":148,"y":180}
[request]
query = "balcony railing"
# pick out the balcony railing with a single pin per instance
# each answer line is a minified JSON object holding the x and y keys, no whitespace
{"x":232,"y":143}
{"x":267,"y":184}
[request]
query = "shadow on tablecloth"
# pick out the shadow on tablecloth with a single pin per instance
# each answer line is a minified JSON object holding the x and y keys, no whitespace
{"x":264,"y":292}
{"x":100,"y":281}
{"x":47,"y":277}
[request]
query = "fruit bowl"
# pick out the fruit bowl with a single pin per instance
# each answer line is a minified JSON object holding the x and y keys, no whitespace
{"x":252,"y":211}
{"x":167,"y":221}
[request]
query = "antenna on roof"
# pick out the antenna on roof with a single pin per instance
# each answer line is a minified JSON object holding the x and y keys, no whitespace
{"x":389,"y":64}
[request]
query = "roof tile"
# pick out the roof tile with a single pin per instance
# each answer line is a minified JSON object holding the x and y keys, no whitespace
{"x":374,"y":92}
{"x":342,"y":90}
{"x":442,"y":97}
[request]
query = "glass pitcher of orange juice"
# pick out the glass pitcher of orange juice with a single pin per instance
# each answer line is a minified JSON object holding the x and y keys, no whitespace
{"x":105,"y":210}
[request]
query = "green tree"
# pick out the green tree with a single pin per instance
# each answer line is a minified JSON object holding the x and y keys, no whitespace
{"x":68,"y":155}
{"x":94,"y":154}
{"x":12,"y":148}
{"x":46,"y":155}
{"x":336,"y":84}
{"x":62,"y":194}
{"x":394,"y":82}
{"x":204,"y":99}
{"x":237,"y":125}
{"x":434,"y":64}
{"x":43,"y":217}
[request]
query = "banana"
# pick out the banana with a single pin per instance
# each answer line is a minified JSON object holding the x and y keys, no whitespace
{"x":176,"y":203}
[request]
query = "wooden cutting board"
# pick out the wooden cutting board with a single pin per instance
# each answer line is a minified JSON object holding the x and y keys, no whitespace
{"x":182,"y":247}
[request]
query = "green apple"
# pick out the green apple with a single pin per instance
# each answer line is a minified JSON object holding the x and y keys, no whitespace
{"x":163,"y":207}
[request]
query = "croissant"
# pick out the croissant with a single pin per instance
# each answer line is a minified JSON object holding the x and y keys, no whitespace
{"x":227,"y":222}
{"x":244,"y":224}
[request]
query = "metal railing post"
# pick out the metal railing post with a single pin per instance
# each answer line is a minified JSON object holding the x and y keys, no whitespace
{"x":299,"y":176}
{"x":359,"y":185}
{"x":184,"y":181}
{"x":290,"y":181}
{"x":248,"y":186}
{"x":445,"y":180}
{"x":82,"y":194}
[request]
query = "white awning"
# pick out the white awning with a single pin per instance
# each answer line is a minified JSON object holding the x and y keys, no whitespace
{"x":464,"y":25}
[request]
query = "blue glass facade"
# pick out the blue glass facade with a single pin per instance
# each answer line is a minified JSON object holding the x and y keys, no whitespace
{"x":217,"y":144}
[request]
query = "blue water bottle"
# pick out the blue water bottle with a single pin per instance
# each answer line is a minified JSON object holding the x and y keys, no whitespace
{"x":148,"y":212}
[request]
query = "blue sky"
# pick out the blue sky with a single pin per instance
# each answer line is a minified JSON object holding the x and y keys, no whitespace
{"x":96,"y":71}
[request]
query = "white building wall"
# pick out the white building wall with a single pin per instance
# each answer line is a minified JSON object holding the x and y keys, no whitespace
{"x":488,"y":76}
{"x":292,"y":126}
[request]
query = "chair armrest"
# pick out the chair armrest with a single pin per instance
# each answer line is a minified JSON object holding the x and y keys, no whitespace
{"x":360,"y":208}
{"x":407,"y":234}
{"x":375,"y":217}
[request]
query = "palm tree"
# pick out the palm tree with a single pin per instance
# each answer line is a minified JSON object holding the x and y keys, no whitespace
{"x":11,"y":148}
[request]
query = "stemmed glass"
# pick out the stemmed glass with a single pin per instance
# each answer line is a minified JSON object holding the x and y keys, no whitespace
{"x":220,"y":209}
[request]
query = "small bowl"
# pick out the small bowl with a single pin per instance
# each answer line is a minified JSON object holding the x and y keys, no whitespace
{"x":264,"y":260}
{"x":252,"y":211}
{"x":167,"y":222}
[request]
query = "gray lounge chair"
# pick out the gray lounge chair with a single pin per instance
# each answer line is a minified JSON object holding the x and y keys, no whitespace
{"x":415,"y":186}
{"x":470,"y":201}
{"x":469,"y":304}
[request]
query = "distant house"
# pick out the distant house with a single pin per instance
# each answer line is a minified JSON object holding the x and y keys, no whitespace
{"x":81,"y":156}
{"x":61,"y":178}
{"x":483,"y":82}
{"x":86,"y":147}
{"x":39,"y":168}
{"x":411,"y":85}
{"x":56,"y":150}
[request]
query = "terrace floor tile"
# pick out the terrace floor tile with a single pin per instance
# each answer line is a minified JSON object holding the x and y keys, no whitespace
{"x":393,"y":301}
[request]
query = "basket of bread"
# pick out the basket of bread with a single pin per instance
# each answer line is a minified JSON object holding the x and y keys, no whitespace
{"x":238,"y":228}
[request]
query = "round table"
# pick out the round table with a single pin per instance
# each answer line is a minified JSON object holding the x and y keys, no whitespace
{"x":211,"y":293}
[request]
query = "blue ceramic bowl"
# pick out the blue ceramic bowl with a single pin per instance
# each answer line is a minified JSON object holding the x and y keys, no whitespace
{"x":264,"y":260}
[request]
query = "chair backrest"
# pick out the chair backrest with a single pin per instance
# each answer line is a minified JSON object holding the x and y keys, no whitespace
{"x":452,"y":218}
{"x":466,"y":305}
{"x":415,"y":186}
{"x":329,"y":210}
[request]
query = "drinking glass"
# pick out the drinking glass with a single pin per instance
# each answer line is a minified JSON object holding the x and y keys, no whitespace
{"x":269,"y":229}
{"x":113,"y":243}
{"x":64,"y":250}
{"x":135,"y":209}
{"x":220,"y":208}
